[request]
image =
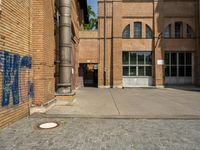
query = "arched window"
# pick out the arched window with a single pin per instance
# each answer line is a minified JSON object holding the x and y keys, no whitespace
{"x":179,"y":29}
{"x":190,"y":32}
{"x":148,"y":32}
{"x":167,"y":32}
{"x":126,"y":32}
{"x":137,"y":30}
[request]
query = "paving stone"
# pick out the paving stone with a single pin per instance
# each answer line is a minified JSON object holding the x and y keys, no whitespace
{"x":102,"y":134}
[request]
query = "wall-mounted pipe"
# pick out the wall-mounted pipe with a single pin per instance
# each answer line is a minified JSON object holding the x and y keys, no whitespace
{"x":65,"y":68}
{"x":105,"y":45}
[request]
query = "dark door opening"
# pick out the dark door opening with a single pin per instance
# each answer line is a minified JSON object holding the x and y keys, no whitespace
{"x":89,"y":75}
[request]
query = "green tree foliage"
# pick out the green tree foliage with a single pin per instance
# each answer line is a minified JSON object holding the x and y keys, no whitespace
{"x":92,"y":20}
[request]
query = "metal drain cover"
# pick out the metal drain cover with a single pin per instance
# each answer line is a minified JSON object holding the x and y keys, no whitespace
{"x":48,"y":125}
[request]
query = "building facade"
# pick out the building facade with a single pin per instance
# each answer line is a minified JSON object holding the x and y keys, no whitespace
{"x":148,"y":43}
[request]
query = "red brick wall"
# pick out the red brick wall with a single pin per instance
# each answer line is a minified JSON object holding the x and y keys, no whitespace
{"x":15,"y":45}
{"x":43,"y":50}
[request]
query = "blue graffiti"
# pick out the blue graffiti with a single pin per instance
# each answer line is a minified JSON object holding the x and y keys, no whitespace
{"x":30,"y":89}
{"x":6,"y":79}
{"x":15,"y":85}
{"x":26,"y":62}
{"x":10,"y":64}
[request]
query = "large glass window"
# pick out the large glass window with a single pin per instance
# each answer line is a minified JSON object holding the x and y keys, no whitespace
{"x":133,"y":58}
{"x":125,"y":58}
{"x":126,"y":32}
{"x":137,"y":30}
{"x":137,"y":64}
{"x":178,"y":29}
{"x":141,"y":58}
{"x":178,"y":64}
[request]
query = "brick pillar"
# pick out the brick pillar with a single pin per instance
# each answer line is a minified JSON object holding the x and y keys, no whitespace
{"x":158,"y":50}
{"x":108,"y":65}
{"x":117,"y":44}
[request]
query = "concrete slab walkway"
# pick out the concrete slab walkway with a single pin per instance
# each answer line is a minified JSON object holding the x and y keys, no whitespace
{"x":133,"y":103}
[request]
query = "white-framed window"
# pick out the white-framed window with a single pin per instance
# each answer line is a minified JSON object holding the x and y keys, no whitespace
{"x":137,"y":64}
{"x":178,"y":64}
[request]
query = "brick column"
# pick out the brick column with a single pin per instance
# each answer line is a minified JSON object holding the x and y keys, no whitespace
{"x":158,"y":50}
{"x":117,"y":44}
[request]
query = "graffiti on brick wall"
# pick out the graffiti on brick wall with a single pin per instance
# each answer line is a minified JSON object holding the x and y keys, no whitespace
{"x":14,"y":73}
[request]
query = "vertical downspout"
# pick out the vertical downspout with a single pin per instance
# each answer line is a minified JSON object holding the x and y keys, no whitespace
{"x":65,"y":67}
{"x":153,"y":43}
{"x":104,"y":59}
{"x":197,"y":53}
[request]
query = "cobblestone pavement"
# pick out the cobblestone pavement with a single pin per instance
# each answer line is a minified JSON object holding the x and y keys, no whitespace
{"x":102,"y":134}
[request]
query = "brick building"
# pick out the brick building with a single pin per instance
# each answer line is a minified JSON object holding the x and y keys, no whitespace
{"x":148,"y":43}
{"x":28,"y":54}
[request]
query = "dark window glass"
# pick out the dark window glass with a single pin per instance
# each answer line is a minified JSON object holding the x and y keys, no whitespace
{"x":181,"y":58}
{"x":148,"y":71}
{"x":167,"y":58}
{"x":148,"y":58}
{"x":190,"y":32}
{"x":132,"y":71}
{"x":133,"y":57}
{"x":188,"y":59}
{"x":140,"y":58}
{"x":167,"y":32}
{"x":126,"y":32}
{"x":125,"y":71}
{"x":125,"y":58}
{"x":137,"y":30}
{"x":178,"y":29}
{"x":173,"y":58}
{"x":167,"y":71}
{"x":188,"y":71}
{"x":140,"y":71}
{"x":173,"y":71}
{"x":148,"y":32}
{"x":181,"y":71}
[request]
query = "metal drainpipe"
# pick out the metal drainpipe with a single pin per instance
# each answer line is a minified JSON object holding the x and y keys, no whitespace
{"x":65,"y":67}
{"x":105,"y":43}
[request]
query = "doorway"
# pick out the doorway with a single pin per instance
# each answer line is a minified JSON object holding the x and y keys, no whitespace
{"x":88,"y":75}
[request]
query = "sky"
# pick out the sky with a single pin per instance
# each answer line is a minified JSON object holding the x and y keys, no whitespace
{"x":93,"y":3}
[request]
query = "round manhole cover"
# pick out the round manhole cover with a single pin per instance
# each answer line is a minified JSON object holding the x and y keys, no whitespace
{"x":48,"y":125}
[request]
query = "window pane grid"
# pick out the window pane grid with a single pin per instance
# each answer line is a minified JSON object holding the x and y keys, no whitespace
{"x":181,"y":68}
{"x":139,"y":64}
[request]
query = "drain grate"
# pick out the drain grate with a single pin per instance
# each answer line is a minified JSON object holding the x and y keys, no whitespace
{"x":48,"y":125}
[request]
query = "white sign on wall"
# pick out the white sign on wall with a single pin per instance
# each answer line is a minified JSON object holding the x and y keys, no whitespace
{"x":160,"y":62}
{"x":88,"y":61}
